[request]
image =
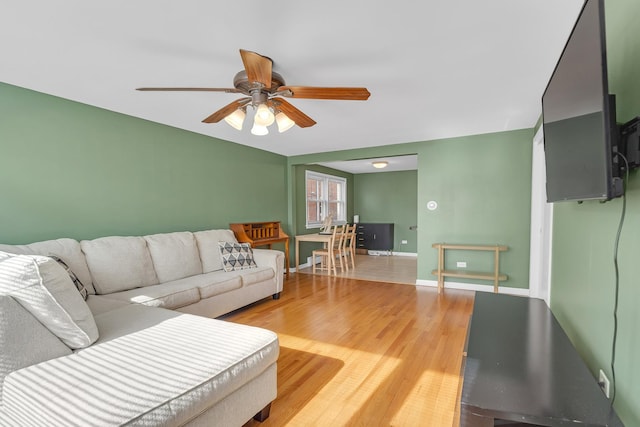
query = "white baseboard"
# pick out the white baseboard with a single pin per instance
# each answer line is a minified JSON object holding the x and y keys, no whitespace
{"x":474,"y":287}
{"x":412,"y":254}
{"x":387,"y":253}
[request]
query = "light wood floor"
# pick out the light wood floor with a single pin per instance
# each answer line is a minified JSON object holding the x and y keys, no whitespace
{"x":381,"y":268}
{"x":365,"y":353}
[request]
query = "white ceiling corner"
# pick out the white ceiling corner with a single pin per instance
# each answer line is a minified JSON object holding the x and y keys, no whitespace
{"x":434,"y":69}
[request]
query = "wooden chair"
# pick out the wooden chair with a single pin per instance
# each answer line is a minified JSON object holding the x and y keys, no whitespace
{"x":329,"y":252}
{"x":341,"y":236}
{"x":348,"y":248}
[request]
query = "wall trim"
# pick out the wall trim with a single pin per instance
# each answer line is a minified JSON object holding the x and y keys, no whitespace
{"x":390,"y":253}
{"x":413,"y":254}
{"x":474,"y":287}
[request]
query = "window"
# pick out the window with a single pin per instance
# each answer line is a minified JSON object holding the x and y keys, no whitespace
{"x":326,"y":195}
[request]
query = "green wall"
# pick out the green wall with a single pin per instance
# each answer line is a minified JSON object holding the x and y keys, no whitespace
{"x":390,"y":197}
{"x":583,"y":273}
{"x":482,"y":185}
{"x":72,"y":170}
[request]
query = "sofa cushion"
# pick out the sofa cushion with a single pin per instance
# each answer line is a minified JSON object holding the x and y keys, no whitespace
{"x":44,"y":288}
{"x":99,"y":304}
{"x":67,"y":250}
{"x":209,"y":250}
{"x":219,"y":282}
{"x":174,"y":255}
{"x":23,"y":340}
{"x":150,"y":367}
{"x":257,"y":275}
{"x":169,"y":295}
{"x":236,"y":256}
{"x":119,"y":263}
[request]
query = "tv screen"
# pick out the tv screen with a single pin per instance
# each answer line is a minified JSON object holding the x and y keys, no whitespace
{"x":580,"y":131}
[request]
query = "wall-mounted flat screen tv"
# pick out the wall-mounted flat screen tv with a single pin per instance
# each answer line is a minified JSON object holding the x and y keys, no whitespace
{"x":580,"y":131}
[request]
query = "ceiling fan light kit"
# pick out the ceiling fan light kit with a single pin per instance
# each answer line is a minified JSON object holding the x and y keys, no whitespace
{"x":236,"y":119}
{"x":259,"y":130}
{"x":264,"y":116}
{"x":284,"y":122}
{"x":265,"y":91}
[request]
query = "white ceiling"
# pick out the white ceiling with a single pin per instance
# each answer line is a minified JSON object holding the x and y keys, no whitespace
{"x":435,"y":69}
{"x":394,"y":164}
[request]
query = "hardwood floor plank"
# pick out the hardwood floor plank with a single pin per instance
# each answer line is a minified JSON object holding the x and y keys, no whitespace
{"x":358,"y":352}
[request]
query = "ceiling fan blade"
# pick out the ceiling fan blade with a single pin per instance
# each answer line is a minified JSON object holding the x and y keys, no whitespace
{"x":226,"y":110}
{"x":190,"y":89}
{"x":293,"y":113}
{"x":258,"y":67}
{"x":339,"y":93}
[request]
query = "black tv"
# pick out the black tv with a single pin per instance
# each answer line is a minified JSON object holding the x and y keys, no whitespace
{"x":579,"y":123}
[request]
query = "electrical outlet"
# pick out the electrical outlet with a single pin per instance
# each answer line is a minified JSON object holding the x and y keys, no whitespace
{"x":603,"y":382}
{"x":461,"y":264}
{"x":404,"y":242}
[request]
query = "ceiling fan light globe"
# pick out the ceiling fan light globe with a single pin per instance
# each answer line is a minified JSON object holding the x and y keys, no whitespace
{"x":236,"y":119}
{"x":264,"y":116}
{"x":259,"y":130}
{"x":284,"y":122}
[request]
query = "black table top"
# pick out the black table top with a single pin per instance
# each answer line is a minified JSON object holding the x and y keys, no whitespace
{"x":521,"y":366}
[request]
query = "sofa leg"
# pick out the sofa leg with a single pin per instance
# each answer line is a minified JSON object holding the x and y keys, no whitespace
{"x":264,"y":414}
{"x":276,"y":296}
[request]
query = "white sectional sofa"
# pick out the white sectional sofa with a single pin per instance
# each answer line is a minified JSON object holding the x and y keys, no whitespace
{"x":143,"y":348}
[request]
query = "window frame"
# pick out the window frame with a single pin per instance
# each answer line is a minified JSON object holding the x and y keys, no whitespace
{"x":324,"y":201}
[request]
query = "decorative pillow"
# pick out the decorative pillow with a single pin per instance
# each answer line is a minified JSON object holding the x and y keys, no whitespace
{"x":236,"y":256}
{"x":79,"y":286}
{"x":23,"y":340}
{"x":40,"y":285}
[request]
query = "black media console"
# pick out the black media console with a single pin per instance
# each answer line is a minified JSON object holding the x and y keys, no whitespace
{"x":521,"y":369}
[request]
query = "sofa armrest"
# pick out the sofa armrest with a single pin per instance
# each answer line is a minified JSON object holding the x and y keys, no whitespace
{"x":274,"y":259}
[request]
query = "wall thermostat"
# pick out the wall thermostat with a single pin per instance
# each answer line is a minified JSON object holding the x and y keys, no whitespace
{"x":432,"y":205}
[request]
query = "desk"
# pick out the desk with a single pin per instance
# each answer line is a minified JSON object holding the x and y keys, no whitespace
{"x":520,"y":366}
{"x":315,"y":237}
{"x":263,"y":234}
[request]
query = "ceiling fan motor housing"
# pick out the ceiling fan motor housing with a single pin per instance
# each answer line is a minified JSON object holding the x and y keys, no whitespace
{"x":242,"y":83}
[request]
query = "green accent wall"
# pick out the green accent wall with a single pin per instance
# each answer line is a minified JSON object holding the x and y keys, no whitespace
{"x":482,"y":185}
{"x":390,"y":197}
{"x":71,"y":170}
{"x":583,"y":272}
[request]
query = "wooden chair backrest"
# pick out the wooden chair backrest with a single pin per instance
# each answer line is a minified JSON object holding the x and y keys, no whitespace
{"x":349,"y":236}
{"x":338,"y":236}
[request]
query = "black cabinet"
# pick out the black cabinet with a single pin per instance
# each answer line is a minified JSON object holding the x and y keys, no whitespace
{"x":375,"y":237}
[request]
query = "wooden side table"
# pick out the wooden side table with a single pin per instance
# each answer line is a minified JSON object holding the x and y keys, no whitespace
{"x":494,"y":276}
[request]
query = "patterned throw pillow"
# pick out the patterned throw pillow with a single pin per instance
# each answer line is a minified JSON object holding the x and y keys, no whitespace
{"x":79,"y":286}
{"x":236,"y":256}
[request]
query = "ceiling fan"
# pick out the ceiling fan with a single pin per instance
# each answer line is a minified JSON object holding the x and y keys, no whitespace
{"x":265,"y":91}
